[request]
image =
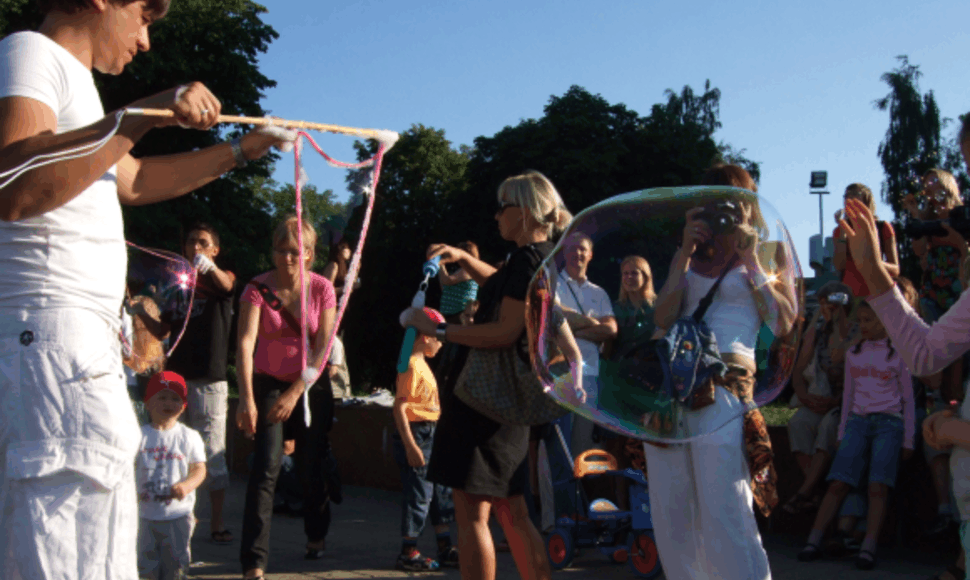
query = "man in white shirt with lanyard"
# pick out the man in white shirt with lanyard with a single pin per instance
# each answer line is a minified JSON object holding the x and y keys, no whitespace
{"x":590,"y":315}
{"x":68,"y":433}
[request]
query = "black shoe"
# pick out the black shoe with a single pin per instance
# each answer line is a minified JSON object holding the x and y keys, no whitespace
{"x":834,"y":547}
{"x":809,"y":553}
{"x":315,"y":553}
{"x":938,"y":526}
{"x":866,"y":560}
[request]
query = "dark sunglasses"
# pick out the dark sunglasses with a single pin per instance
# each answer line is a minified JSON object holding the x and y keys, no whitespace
{"x":504,"y":206}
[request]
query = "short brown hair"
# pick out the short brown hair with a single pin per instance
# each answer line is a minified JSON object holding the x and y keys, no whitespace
{"x":204,"y":227}
{"x":160,"y":7}
{"x":864,"y":193}
{"x":730,"y":175}
{"x":470,"y":247}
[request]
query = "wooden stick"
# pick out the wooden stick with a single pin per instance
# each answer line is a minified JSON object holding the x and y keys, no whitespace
{"x":368,"y":133}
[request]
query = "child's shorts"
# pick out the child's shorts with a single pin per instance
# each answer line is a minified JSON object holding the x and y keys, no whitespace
{"x":871,"y":443}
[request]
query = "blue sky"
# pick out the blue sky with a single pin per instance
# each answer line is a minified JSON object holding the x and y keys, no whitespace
{"x":797,"y":79}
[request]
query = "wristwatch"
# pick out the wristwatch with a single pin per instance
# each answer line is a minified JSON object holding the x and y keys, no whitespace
{"x":441,"y":332}
{"x":237,"y":153}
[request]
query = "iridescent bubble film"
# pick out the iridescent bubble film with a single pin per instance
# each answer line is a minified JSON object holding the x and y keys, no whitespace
{"x":160,"y":292}
{"x":668,"y":384}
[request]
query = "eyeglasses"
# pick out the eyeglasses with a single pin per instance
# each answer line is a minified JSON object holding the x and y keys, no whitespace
{"x":504,"y":206}
{"x":295,"y":254}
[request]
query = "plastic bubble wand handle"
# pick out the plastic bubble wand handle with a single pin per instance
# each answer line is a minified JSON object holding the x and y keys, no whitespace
{"x":429,"y":269}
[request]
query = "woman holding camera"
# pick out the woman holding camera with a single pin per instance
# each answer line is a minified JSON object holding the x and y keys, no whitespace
{"x":842,"y":261}
{"x":701,"y":491}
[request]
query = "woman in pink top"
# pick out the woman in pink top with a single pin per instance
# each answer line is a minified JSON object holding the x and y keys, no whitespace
{"x":272,"y":381}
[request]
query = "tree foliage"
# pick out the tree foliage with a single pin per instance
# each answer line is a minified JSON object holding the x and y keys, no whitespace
{"x":913,"y":144}
{"x":421,"y":179}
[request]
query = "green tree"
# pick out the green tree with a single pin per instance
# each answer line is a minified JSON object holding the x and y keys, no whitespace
{"x":421,"y":177}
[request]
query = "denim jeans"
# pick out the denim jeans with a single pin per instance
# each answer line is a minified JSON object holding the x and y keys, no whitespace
{"x":871,"y":444}
{"x":422,"y":498}
{"x":311,"y":457}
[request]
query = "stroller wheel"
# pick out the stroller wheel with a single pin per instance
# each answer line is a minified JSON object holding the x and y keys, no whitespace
{"x":644,"y":561}
{"x":559,"y":547}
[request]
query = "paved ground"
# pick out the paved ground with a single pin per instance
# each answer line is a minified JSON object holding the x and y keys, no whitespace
{"x":363,"y":543}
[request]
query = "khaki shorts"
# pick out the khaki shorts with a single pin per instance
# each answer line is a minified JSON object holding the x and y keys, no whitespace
{"x":809,"y":432}
{"x":207,"y":412}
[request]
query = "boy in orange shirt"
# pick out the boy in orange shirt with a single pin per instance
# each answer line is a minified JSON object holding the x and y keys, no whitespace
{"x":416,"y":412}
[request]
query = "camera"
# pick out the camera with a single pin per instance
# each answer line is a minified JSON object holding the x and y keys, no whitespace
{"x":837,"y":298}
{"x":959,"y":220}
{"x":722,"y":217}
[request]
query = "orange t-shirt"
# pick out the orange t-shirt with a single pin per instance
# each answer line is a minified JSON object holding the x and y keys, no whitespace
{"x":418,"y":389}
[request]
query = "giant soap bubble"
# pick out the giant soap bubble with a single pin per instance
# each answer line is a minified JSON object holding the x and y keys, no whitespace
{"x":647,"y":385}
{"x":160,"y":296}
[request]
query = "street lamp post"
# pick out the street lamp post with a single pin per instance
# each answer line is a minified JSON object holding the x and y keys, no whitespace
{"x":819,"y":179}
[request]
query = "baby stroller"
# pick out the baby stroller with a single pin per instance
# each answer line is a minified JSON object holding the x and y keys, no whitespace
{"x":623,"y":536}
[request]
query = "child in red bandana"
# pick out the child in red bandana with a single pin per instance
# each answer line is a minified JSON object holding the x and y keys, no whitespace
{"x":170,"y":466}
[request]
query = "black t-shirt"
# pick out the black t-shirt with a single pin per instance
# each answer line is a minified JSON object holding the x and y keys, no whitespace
{"x":203,"y":351}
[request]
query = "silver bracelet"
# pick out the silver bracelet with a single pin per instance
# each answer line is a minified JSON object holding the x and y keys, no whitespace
{"x":237,"y":153}
{"x":441,"y":332}
{"x":759,"y":280}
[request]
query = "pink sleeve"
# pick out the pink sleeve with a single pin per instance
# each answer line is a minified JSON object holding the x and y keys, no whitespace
{"x":846,"y":396}
{"x":251,"y":294}
{"x":925,"y":349}
{"x":329,"y":298}
{"x":909,"y":407}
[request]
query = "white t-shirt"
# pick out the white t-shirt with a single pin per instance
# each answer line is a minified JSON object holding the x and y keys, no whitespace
{"x":733,"y":315}
{"x":73,"y":256}
{"x":163,"y":460}
{"x":596,"y":303}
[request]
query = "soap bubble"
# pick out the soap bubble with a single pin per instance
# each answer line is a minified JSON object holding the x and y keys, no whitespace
{"x":757,"y":326}
{"x":160,"y":296}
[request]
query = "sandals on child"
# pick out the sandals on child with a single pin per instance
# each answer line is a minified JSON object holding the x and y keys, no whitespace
{"x":222,"y":537}
{"x":416,"y":563}
{"x":448,"y":557}
{"x":799,"y":504}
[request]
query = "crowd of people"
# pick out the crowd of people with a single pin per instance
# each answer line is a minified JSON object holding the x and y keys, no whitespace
{"x":87,"y":492}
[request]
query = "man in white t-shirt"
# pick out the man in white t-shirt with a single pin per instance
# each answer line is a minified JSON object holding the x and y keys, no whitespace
{"x":589,"y":313}
{"x":68,"y":434}
{"x":170,"y":467}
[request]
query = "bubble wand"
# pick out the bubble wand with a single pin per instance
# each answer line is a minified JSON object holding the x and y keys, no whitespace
{"x":430,"y":269}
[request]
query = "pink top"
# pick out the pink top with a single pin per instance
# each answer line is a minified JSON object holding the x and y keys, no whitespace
{"x":278,"y":344}
{"x":926,"y":349}
{"x":876,"y":385}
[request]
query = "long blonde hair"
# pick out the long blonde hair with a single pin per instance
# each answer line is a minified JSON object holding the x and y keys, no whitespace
{"x":647,"y":294}
{"x":536,"y":195}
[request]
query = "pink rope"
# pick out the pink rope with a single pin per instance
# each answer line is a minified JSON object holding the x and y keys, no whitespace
{"x":376,"y":162}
